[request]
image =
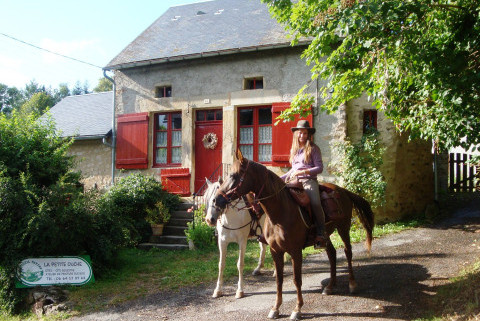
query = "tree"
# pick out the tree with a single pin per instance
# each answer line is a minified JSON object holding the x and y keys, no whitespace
{"x":78,"y":89}
{"x":418,"y":61}
{"x":38,"y":104}
{"x":62,"y":92}
{"x":10,"y":98}
{"x":32,"y":88}
{"x":103,"y":85}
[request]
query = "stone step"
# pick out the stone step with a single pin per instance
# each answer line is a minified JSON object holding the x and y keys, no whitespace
{"x":174,"y":230}
{"x":178,"y":222}
{"x":182,"y":214}
{"x":168,"y":239}
{"x":173,"y":237}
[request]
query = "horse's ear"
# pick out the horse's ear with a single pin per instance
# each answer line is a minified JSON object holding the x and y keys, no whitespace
{"x":220,"y":180}
{"x":239,"y":155}
{"x":208,"y":182}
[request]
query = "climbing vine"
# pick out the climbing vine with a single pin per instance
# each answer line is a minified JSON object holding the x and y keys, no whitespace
{"x":358,"y":165}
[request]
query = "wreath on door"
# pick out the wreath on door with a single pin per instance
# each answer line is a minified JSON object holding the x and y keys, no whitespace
{"x":210,"y":141}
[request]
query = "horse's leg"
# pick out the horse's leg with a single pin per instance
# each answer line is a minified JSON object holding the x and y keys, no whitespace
{"x":222,"y":247}
{"x":345,"y":235}
{"x":297,"y":280}
{"x":332,"y":258}
{"x":242,"y":246}
{"x":278,"y":260}
{"x":261,"y":259}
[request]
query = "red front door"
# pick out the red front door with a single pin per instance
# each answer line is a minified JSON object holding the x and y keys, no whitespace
{"x":208,"y":144}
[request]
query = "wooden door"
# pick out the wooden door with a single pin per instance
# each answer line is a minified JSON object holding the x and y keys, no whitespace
{"x":208,"y":144}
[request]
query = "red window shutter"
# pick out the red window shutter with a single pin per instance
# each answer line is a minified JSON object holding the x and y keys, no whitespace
{"x":282,"y":135}
{"x":132,"y":141}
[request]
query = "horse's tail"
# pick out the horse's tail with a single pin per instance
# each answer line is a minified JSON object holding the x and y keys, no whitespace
{"x":365,"y":213}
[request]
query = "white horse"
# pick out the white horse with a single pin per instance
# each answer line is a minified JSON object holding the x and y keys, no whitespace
{"x":233,"y":226}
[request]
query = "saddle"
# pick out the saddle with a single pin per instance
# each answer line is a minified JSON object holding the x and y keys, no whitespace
{"x":328,"y":196}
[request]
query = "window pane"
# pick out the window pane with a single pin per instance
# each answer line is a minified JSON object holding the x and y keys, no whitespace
{"x":176,"y":121}
{"x":162,"y":155}
{"x":246,"y":117}
{"x":162,"y":139}
{"x":264,"y":153}
{"x":246,"y":135}
{"x":210,"y":115}
{"x":177,"y":138}
{"x":265,"y":134}
{"x":177,"y":155}
{"x":264,"y":116}
{"x":201,"y":115}
{"x":247,"y":151}
{"x":162,"y":122}
{"x":219,"y":115}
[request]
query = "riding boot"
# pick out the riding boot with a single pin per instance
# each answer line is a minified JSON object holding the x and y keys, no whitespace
{"x":321,"y":238}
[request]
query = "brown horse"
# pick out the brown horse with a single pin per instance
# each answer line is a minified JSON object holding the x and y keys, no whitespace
{"x":284,"y":230}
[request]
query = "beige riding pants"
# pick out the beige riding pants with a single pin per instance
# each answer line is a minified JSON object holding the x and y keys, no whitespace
{"x":311,"y":188}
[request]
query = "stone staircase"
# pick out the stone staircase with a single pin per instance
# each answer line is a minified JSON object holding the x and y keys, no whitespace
{"x":173,"y":237}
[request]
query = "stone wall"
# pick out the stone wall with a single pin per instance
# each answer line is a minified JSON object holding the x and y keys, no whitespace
{"x":93,"y":159}
{"x":407,"y":165}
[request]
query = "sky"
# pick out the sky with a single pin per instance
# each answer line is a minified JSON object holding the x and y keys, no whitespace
{"x":91,"y":31}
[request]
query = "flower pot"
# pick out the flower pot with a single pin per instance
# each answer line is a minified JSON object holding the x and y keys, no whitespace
{"x":157,"y":229}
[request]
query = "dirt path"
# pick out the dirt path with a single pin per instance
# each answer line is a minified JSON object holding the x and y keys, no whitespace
{"x":404,"y":270}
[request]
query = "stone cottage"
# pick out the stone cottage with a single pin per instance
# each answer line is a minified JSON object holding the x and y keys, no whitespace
{"x":210,"y":77}
{"x":88,"y":119}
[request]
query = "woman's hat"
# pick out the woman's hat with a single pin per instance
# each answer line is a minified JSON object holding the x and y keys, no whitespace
{"x":304,"y":124}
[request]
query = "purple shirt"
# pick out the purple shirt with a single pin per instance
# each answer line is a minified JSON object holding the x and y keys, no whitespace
{"x":315,"y":166}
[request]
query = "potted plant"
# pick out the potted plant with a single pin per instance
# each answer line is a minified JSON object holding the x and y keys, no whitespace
{"x":157,"y":216}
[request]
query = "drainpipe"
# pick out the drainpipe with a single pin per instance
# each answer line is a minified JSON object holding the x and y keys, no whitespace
{"x":114,"y":133}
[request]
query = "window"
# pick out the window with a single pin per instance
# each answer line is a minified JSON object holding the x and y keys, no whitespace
{"x":163,"y":91}
{"x":369,"y":120}
{"x":255,"y":133}
{"x":253,"y":83}
{"x":168,"y":139}
{"x":209,"y":115}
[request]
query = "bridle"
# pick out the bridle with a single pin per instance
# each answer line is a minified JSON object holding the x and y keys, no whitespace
{"x":233,"y":194}
{"x":229,"y":196}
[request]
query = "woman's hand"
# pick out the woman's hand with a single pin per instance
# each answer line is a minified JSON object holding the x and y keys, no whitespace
{"x":300,"y":172}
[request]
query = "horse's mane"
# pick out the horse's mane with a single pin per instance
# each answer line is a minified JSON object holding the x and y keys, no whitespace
{"x":273,"y":182}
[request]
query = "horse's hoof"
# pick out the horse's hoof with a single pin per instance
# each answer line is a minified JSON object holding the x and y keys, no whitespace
{"x":217,"y":294}
{"x":296,"y":315}
{"x":327,"y":291}
{"x":256,"y":272}
{"x":273,"y":314}
{"x":239,"y":295}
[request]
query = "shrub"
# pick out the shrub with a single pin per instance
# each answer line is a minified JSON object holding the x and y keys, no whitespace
{"x":198,"y":232}
{"x":43,"y":210}
{"x":129,"y":201}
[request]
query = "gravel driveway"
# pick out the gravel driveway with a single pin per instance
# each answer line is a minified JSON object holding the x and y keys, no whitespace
{"x":394,"y":283}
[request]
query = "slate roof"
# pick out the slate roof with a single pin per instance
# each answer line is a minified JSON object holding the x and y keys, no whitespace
{"x":204,"y":29}
{"x":84,"y":116}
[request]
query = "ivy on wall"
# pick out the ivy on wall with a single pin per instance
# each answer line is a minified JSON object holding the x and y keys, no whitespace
{"x":358,"y":166}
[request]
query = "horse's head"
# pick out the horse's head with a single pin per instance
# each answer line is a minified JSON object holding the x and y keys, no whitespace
{"x":235,"y":186}
{"x":208,"y":199}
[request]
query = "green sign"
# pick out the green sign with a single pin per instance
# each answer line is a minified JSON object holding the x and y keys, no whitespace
{"x":45,"y":271}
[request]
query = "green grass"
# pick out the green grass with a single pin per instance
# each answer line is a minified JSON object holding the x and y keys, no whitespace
{"x":138,"y":273}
